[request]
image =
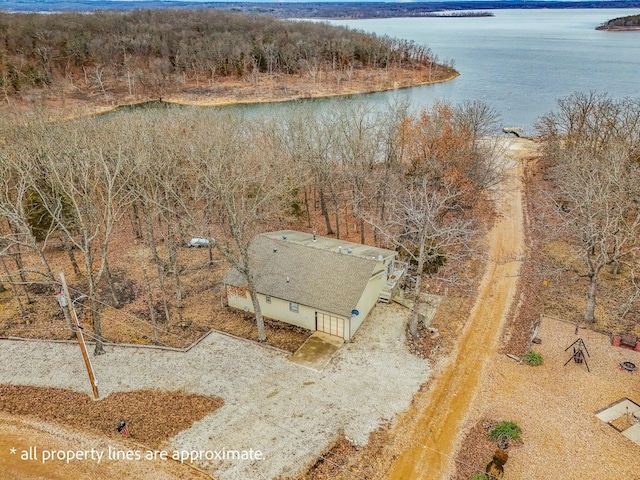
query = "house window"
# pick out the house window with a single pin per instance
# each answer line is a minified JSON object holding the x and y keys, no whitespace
{"x":268,"y":299}
{"x":293,"y":306}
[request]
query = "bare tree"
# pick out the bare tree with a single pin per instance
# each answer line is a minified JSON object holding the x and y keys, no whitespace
{"x":484,"y":163}
{"x":596,"y":205}
{"x":423,"y":223}
{"x":249,"y":179}
{"x":88,"y":176}
{"x":435,"y":173}
{"x":16,"y":208}
{"x":310,"y":140}
{"x":590,"y":146}
{"x":358,"y":150}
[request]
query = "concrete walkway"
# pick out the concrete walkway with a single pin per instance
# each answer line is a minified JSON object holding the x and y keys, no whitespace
{"x":317,"y":351}
{"x":427,"y":308}
{"x":290,"y":414}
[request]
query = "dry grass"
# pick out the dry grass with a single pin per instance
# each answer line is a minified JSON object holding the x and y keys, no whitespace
{"x":203,"y":295}
{"x":23,"y":432}
{"x":525,"y":312}
{"x":425,"y":344}
{"x":279,"y":88}
{"x":554,"y":404}
{"x":476,"y":450}
{"x":279,"y":334}
{"x":344,"y":460}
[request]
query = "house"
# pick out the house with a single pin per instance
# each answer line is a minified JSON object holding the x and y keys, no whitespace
{"x":315,"y":282}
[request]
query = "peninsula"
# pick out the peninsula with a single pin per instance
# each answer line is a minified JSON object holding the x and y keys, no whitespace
{"x":104,"y":59}
{"x":630,"y":22}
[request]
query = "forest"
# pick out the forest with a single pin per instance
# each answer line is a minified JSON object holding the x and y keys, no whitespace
{"x":629,"y":22}
{"x":152,"y":53}
{"x":590,"y":179}
{"x":116,"y":202}
{"x":314,"y":9}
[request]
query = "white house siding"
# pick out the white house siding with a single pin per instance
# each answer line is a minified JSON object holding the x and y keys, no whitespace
{"x":368,"y":300}
{"x":278,"y":309}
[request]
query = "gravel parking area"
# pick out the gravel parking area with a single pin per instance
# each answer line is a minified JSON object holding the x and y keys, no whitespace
{"x":289,"y":413}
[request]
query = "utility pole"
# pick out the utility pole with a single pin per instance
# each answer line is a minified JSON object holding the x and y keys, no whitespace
{"x":87,"y":362}
{"x":64,"y":305}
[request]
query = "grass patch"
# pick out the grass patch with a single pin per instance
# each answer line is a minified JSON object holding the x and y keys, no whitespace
{"x":505,"y":429}
{"x":478,"y":476}
{"x":532,"y":358}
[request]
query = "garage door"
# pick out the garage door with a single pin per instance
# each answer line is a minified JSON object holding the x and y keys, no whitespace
{"x":330,"y":324}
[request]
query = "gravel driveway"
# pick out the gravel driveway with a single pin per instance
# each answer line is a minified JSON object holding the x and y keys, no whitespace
{"x":289,"y":413}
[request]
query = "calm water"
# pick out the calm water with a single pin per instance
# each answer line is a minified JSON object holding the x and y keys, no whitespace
{"x":521,"y":61}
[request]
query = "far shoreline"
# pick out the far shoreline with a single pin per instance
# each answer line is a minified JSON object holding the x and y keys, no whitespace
{"x":617,"y":29}
{"x":227,"y":94}
{"x":223,"y":102}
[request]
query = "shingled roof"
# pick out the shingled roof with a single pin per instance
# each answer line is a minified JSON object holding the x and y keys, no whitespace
{"x":318,"y":276}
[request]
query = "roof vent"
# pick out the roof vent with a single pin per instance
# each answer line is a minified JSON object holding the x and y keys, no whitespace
{"x":275,"y":249}
{"x":284,"y":237}
{"x":314,"y":236}
{"x":339,"y":251}
{"x":380,"y":258}
{"x":349,"y":250}
{"x":288,"y":279}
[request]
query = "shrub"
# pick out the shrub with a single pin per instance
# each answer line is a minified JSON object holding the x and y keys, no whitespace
{"x":505,"y":429}
{"x":478,"y":476}
{"x":532,"y":358}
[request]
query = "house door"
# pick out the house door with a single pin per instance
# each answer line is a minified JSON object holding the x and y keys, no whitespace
{"x":330,"y":324}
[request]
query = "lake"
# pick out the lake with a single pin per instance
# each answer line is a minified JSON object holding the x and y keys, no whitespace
{"x":520,"y":61}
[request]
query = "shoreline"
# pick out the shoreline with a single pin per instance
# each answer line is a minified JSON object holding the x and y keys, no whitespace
{"x":312,"y":11}
{"x":261,"y":100}
{"x":230,"y":93}
{"x":619,"y":29}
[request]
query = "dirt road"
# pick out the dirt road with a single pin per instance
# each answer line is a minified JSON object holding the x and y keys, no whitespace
{"x":434,"y":434}
{"x":18,"y":435}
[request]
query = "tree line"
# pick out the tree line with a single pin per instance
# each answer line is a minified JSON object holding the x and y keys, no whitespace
{"x":418,"y":182}
{"x":630,"y":21}
{"x":156,"y":51}
{"x":591,"y":155}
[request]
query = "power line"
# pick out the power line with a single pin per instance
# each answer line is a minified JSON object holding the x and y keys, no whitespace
{"x":127,"y":314}
{"x":94,"y":338}
{"x":220,"y":404}
{"x":105,"y":304}
{"x":245,"y":409}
